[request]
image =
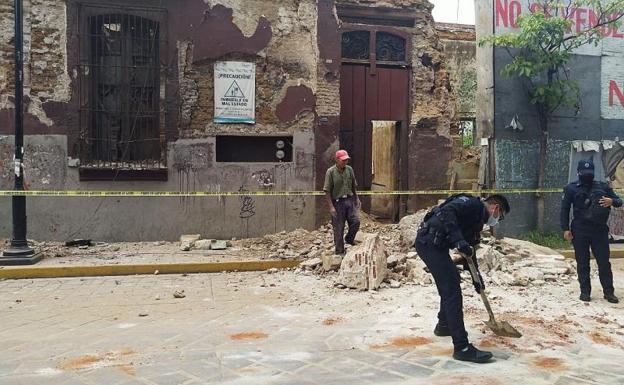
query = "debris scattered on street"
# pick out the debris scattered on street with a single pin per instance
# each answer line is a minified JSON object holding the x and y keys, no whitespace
{"x":179,"y":294}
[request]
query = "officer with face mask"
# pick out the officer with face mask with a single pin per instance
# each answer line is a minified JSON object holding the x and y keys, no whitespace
{"x":592,"y":201}
{"x":456,"y":223}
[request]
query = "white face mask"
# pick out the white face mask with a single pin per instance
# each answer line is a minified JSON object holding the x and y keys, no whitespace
{"x":492,"y":221}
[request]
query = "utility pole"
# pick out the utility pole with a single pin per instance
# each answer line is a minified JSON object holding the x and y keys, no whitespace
{"x":19,"y":253}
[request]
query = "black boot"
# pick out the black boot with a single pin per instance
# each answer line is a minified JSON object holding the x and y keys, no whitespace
{"x":442,"y":330}
{"x":472,"y":354}
{"x":585,"y":297}
{"x":611,"y":298}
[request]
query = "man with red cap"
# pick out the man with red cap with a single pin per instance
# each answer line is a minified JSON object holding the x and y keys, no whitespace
{"x":340,"y":192}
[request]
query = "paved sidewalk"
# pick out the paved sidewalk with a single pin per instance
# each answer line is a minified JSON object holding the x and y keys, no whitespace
{"x":283,"y":328}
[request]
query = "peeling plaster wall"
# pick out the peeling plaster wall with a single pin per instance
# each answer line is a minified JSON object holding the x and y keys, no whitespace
{"x":280,"y":37}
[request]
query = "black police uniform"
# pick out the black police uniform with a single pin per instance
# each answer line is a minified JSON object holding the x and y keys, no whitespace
{"x":589,"y":227}
{"x":459,"y":220}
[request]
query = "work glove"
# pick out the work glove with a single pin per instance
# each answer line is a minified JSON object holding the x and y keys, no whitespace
{"x":464,"y":248}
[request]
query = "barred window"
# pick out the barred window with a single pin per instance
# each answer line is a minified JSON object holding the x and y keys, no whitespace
{"x":121,"y":123}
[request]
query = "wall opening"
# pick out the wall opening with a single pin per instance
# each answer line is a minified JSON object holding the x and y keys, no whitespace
{"x":266,"y":149}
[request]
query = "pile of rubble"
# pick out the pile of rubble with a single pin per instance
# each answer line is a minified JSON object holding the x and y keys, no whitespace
{"x":503,"y":262}
{"x":317,"y":244}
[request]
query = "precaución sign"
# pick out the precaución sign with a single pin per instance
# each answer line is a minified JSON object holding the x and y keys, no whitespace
{"x":235,"y":92}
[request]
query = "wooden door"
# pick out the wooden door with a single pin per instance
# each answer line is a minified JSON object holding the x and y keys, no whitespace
{"x":367,"y":95}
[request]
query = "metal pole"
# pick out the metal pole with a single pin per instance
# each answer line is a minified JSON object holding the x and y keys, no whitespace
{"x":19,"y":253}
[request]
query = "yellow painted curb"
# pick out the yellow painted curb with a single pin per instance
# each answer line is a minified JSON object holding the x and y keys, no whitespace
{"x":165,"y":268}
{"x":615,"y":253}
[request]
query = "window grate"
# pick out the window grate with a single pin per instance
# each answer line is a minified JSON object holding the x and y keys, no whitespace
{"x":121,"y":122}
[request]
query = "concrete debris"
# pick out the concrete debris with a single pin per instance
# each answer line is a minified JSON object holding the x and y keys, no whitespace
{"x":396,"y":259}
{"x":218,"y":245}
{"x":311,"y":263}
{"x":179,"y":294}
{"x":331,"y":262}
{"x":187,"y":241}
{"x":202,"y":244}
{"x":143,"y":314}
{"x":395,"y":284}
{"x":272,"y":270}
{"x":408,"y":227}
{"x":364,"y":266}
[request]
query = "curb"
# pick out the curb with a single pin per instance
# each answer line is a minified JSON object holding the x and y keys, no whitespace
{"x":165,"y":268}
{"x":615,"y":254}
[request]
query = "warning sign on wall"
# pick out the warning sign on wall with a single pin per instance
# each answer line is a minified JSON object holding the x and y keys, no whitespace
{"x":235,"y":92}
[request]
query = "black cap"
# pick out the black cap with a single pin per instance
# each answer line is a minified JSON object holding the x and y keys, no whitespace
{"x":585,"y":167}
{"x":501,"y":200}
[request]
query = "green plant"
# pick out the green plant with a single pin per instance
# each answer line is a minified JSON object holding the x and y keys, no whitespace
{"x":549,"y":239}
{"x":540,"y":53}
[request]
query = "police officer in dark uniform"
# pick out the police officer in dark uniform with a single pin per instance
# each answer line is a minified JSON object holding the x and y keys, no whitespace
{"x":456,"y":223}
{"x":592,"y":201}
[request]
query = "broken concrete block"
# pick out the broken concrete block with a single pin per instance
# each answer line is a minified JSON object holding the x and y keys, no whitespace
{"x":218,"y":245}
{"x":412,"y":255}
{"x":311,"y":263}
{"x":202,"y":244}
{"x":364,"y":266}
{"x":331,"y":262}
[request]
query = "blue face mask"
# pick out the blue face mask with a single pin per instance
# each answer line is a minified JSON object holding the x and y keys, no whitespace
{"x":492,"y":221}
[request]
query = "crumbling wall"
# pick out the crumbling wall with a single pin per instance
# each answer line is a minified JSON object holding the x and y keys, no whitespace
{"x":460,"y":49}
{"x":46,"y":76}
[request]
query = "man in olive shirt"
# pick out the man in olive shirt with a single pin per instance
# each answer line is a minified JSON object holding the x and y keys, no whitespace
{"x":342,"y":200}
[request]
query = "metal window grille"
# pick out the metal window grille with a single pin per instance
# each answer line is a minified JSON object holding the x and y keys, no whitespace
{"x":121,"y":122}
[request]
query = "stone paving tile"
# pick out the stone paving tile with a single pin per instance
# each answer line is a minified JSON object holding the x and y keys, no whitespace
{"x":407,"y":369}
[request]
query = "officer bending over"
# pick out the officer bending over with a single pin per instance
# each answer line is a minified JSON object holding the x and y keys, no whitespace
{"x":592,"y":201}
{"x":457,"y":223}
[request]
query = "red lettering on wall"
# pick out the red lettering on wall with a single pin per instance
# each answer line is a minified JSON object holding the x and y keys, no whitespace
{"x":614,"y":90}
{"x":507,"y":13}
{"x":580,"y":20}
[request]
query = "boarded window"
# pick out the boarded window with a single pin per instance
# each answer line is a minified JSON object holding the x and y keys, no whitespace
{"x":120,"y":91}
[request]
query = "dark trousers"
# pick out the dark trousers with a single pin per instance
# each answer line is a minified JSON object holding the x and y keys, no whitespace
{"x":598,"y":241}
{"x":447,"y":281}
{"x":345,"y":212}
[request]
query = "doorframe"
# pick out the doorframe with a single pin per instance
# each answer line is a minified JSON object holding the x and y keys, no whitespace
{"x":403,"y":153}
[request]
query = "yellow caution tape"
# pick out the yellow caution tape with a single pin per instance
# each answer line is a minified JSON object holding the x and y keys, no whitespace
{"x":87,"y":193}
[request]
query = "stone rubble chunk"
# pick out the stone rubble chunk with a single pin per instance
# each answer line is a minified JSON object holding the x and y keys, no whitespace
{"x":331,"y":262}
{"x":408,"y":226}
{"x":188,"y":240}
{"x":395,"y":260}
{"x":218,"y":245}
{"x":202,"y":244}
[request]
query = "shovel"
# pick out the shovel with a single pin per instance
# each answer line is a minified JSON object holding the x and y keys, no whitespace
{"x":500,"y":328}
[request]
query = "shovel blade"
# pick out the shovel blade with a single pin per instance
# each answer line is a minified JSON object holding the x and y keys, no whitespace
{"x":503,"y":329}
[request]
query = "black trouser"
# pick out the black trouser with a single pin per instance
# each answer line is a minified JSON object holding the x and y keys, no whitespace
{"x":596,"y":238}
{"x":448,"y":281}
{"x":345,"y":212}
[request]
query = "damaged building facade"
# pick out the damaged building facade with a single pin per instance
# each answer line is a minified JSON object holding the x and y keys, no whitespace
{"x":596,"y":131}
{"x":120,"y":95}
